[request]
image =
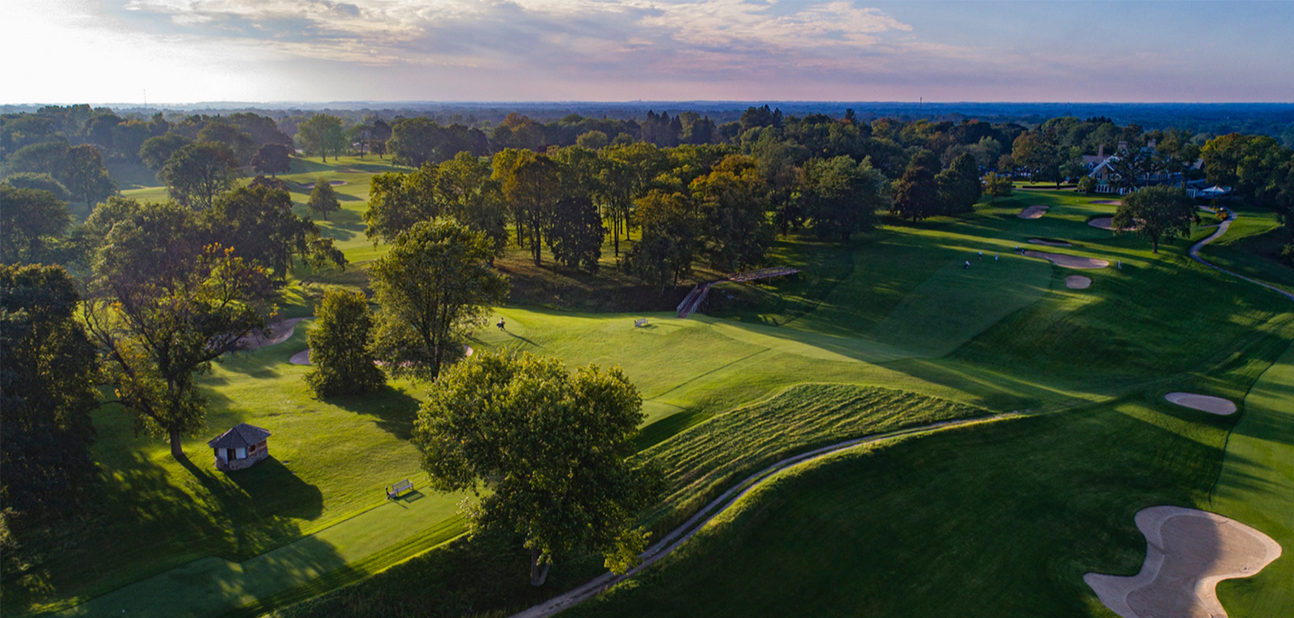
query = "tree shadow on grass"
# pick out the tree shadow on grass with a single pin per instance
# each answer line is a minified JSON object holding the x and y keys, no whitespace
{"x":393,"y":410}
{"x":268,"y":495}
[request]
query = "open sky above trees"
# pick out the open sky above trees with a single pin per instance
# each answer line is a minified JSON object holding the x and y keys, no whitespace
{"x":111,"y":51}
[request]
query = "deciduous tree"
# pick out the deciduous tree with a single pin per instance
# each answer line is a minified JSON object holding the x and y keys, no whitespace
{"x":842,"y":197}
{"x":47,"y":391}
{"x":340,"y":340}
{"x":916,"y":194}
{"x":260,"y":227}
{"x":732,"y":201}
{"x":545,"y":453}
{"x":156,"y":151}
{"x":433,"y":288}
{"x":670,"y":238}
{"x":162,"y":306}
{"x":1156,"y":213}
{"x":320,"y":135}
{"x":272,"y":159}
{"x":85,"y":176}
{"x":323,"y":199}
{"x":959,"y":185}
{"x":198,"y":172}
{"x":997,"y":186}
{"x":32,"y":224}
{"x":576,"y":235}
{"x":397,"y":201}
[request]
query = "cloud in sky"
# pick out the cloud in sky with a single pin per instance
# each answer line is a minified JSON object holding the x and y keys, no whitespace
{"x":189,"y":50}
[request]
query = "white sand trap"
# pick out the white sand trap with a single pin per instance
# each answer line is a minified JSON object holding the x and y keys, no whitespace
{"x":1077,"y":282}
{"x":1107,"y":202}
{"x":1049,"y":243}
{"x":1205,"y":403}
{"x":1033,"y":212}
{"x":301,"y":358}
{"x":279,"y":332}
{"x":1188,"y":552}
{"x":1068,"y":261}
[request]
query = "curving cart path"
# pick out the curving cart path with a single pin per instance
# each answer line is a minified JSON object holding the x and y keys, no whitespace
{"x":1222,"y":229}
{"x":681,"y":534}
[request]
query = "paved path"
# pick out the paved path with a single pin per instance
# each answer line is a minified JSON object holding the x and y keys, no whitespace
{"x":681,"y":534}
{"x":1222,"y":229}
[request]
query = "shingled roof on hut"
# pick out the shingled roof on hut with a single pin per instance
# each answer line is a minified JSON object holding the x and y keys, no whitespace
{"x":240,"y":447}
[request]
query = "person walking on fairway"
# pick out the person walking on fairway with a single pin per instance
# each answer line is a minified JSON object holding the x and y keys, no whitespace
{"x":967,"y":264}
{"x":500,"y":324}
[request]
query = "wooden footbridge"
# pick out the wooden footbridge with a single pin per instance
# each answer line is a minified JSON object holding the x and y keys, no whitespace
{"x":694,"y":299}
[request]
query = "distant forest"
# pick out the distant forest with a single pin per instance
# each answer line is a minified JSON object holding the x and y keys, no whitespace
{"x":1205,"y":119}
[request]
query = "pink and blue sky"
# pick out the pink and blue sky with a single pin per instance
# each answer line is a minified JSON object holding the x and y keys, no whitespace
{"x":184,"y":51}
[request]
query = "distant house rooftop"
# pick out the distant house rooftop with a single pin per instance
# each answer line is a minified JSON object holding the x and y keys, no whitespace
{"x":241,"y":435}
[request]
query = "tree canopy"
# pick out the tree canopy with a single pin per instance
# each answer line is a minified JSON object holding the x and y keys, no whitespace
{"x":47,"y":391}
{"x":323,"y":199}
{"x":544,"y":451}
{"x":1156,"y":213}
{"x":198,"y":172}
{"x":32,"y":225}
{"x":434,"y":287}
{"x":161,"y":305}
{"x":340,"y":341}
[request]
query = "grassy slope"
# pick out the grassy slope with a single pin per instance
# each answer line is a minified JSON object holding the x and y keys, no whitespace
{"x":699,"y":462}
{"x":1250,"y":247}
{"x":1256,"y":487}
{"x":995,"y":520}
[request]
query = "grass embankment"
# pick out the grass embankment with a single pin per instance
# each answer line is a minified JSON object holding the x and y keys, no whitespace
{"x":1252,"y":247}
{"x":699,"y":462}
{"x":710,"y":457}
{"x":991,"y":520}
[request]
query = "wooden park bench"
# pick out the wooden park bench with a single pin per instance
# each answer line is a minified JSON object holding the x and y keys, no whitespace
{"x":394,"y":491}
{"x":640,"y":322}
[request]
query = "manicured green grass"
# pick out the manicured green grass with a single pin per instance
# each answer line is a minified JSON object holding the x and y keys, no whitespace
{"x":708,"y":458}
{"x":895,"y":309}
{"x":1251,"y":247}
{"x":1256,"y":487}
{"x":1000,"y":519}
{"x":329,"y":460}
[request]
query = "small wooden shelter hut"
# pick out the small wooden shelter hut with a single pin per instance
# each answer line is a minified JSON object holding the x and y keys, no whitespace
{"x":240,"y":447}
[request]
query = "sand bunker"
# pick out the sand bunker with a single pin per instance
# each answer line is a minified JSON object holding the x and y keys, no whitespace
{"x":1188,"y":552}
{"x":1077,"y":282}
{"x":1068,"y":261}
{"x":1049,"y":243}
{"x":1205,"y":403}
{"x":1033,"y":212}
{"x":1107,"y":223}
{"x":1107,"y":202}
{"x":279,"y":332}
